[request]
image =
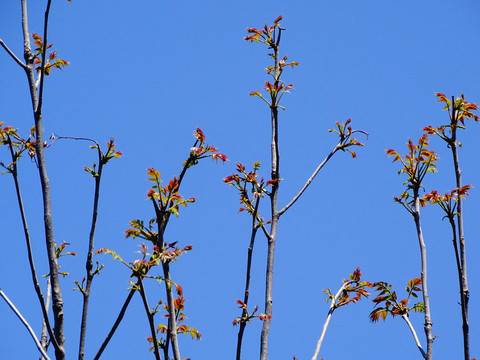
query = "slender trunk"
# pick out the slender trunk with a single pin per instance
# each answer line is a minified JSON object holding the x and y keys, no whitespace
{"x":275,"y":174}
{"x":464,"y":293}
{"x":423,"y":253}
{"x":57,"y":301}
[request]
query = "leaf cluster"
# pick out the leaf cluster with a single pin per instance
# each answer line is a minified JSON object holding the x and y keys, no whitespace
{"x":200,"y":150}
{"x":180,"y":317}
{"x":17,"y":145}
{"x":415,"y":164}
{"x":104,"y":158}
{"x":50,"y":62}
{"x":354,"y":286}
{"x":387,"y":302}
{"x":344,"y":131}
{"x":247,"y":317}
{"x":448,"y":202}
{"x":250,"y":187}
{"x":268,"y":36}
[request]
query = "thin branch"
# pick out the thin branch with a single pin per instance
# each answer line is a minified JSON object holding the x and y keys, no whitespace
{"x":132,"y":292}
{"x":89,"y":267}
{"x":115,"y":325}
{"x":29,"y":58}
{"x":414,"y":334}
{"x":44,"y":57}
{"x":89,"y":262}
{"x":243,"y":322}
{"x":44,"y":339}
{"x":150,"y":319}
{"x":329,"y":316}
{"x":309,"y":181}
{"x":25,"y":323}
{"x":14,"y":57}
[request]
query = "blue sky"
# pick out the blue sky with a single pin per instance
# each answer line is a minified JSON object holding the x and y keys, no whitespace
{"x":148,"y":73}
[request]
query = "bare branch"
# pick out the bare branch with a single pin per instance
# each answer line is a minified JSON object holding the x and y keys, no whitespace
{"x":24,"y":322}
{"x":14,"y":57}
{"x":44,"y":338}
{"x":414,"y":334}
{"x":115,"y":325}
{"x":309,"y":181}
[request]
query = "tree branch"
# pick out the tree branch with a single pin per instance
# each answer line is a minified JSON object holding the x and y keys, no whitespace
{"x":309,"y":181}
{"x":329,"y":316}
{"x":25,"y":323}
{"x":44,"y":56}
{"x":44,"y":339}
{"x":243,"y":322}
{"x":115,"y":325}
{"x":150,"y":319}
{"x":414,"y":334}
{"x":14,"y":57}
{"x":89,"y":262}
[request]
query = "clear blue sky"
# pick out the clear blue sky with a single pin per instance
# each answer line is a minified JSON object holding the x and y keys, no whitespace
{"x":148,"y":73}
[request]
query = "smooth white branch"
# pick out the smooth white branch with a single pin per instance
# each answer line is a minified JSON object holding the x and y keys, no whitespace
{"x":24,"y":322}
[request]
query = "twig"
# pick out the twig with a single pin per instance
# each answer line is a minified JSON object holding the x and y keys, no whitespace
{"x":24,"y":322}
{"x":150,"y":319}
